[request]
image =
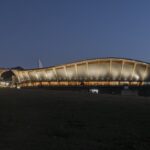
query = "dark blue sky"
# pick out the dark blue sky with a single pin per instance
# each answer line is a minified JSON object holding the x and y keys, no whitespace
{"x":61,"y":31}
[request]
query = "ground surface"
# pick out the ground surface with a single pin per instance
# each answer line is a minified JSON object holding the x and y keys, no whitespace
{"x":67,"y":120}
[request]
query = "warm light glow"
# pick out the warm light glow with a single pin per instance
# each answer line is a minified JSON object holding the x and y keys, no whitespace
{"x":86,"y":73}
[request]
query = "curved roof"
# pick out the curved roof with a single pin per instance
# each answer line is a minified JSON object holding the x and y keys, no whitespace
{"x":82,"y":60}
{"x":100,"y":69}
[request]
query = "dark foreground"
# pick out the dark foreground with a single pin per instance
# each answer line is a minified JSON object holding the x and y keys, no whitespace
{"x":72,"y":120}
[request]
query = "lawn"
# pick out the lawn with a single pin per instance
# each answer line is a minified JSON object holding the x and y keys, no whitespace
{"x":38,"y":119}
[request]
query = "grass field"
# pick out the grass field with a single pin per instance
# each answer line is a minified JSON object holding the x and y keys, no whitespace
{"x":72,"y":120}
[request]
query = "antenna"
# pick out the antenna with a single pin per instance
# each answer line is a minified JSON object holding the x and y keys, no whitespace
{"x":40,"y":65}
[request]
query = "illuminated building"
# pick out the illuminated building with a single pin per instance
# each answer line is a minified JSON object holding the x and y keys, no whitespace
{"x":93,"y":72}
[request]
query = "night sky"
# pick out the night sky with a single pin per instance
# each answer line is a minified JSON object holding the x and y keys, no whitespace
{"x":62,"y":31}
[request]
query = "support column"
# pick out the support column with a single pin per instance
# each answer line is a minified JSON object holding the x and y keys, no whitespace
{"x":146,"y":69}
{"x":133,"y":71}
{"x":110,"y":68}
{"x":54,"y":69}
{"x":66,"y":72}
{"x":87,"y":67}
{"x":76,"y":69}
{"x":123,"y":62}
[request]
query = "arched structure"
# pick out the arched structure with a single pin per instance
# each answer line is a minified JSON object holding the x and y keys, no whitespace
{"x":102,"y":71}
{"x":2,"y":70}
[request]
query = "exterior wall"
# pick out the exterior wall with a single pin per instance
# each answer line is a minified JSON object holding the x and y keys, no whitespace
{"x":89,"y":72}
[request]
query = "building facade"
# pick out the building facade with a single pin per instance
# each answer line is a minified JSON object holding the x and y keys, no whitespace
{"x":93,"y":72}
